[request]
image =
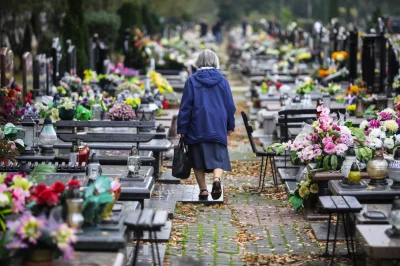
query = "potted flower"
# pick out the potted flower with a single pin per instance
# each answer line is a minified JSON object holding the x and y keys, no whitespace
{"x":67,"y":109}
{"x":351,"y":109}
{"x":10,"y":144}
{"x":44,"y":198}
{"x":38,"y":240}
{"x":121,"y":112}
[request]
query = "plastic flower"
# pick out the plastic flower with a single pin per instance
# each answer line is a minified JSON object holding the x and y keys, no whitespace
{"x":330,"y":148}
{"x":314,"y":188}
{"x":304,"y":192}
{"x":388,"y":143}
{"x":4,"y":200}
{"x":364,"y":125}
{"x":20,"y":182}
{"x":63,"y":237}
{"x":391,"y":125}
{"x":19,"y":197}
{"x":58,"y":187}
{"x":30,"y":228}
{"x":55,"y":115}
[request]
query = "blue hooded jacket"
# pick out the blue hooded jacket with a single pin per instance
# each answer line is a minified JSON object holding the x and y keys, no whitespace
{"x":207,"y":110}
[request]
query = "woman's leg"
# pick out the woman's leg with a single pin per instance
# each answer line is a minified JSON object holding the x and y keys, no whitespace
{"x":201,"y":179}
{"x":217,"y":174}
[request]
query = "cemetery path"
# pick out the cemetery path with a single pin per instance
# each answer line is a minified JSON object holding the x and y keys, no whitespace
{"x":249,"y":229}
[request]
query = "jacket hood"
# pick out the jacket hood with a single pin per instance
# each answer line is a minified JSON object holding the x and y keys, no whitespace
{"x":208,"y":77}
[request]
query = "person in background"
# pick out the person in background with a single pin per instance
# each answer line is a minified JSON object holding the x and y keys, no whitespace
{"x":244,"y":28}
{"x":217,"y":31}
{"x":203,"y":28}
{"x":206,"y":117}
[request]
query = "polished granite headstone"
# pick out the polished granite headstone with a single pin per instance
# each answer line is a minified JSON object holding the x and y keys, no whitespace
{"x":105,"y":236}
{"x":373,"y":194}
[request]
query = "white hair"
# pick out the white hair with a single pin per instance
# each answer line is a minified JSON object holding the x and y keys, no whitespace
{"x":207,"y":58}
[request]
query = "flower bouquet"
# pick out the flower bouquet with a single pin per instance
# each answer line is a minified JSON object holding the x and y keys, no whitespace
{"x":67,"y":109}
{"x":44,"y":198}
{"x":121,"y":112}
{"x":132,"y":87}
{"x":160,"y":82}
{"x":14,"y":193}
{"x":340,"y":56}
{"x":332,"y":88}
{"x":382,"y":131}
{"x":38,"y":239}
{"x":306,"y":88}
{"x":10,"y":144}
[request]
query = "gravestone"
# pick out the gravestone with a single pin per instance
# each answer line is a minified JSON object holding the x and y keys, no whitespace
{"x":56,"y":55}
{"x":40,"y":74}
{"x":353,"y":48}
{"x":27,"y":73}
{"x":6,"y":67}
{"x":71,"y":58}
{"x":50,"y":75}
{"x":393,"y":67}
{"x":127,"y":52}
{"x":368,"y":61}
{"x":98,"y":54}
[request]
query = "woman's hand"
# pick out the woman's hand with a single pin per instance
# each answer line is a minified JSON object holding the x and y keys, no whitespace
{"x":230,"y":132}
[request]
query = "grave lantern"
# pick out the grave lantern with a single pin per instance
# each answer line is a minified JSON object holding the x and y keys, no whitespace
{"x":28,"y":124}
{"x":394,"y":170}
{"x":48,"y":137}
{"x":133,"y":163}
{"x":394,"y":220}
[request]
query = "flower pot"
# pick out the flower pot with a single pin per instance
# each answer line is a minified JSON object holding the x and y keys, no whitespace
{"x":39,"y":257}
{"x":66,"y":114}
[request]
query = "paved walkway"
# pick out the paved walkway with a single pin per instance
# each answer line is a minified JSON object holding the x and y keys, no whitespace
{"x":248,"y":229}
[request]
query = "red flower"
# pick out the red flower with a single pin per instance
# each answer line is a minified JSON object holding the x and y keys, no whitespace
{"x":47,"y":197}
{"x":74,"y":184}
{"x":18,"y":88}
{"x":58,"y":187}
{"x":39,"y":188}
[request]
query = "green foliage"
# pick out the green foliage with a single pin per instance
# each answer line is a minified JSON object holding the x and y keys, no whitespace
{"x":358,"y":132}
{"x":39,"y":172}
{"x":97,"y":196}
{"x":286,"y":16}
{"x":296,"y":201}
{"x":75,"y":29}
{"x":334,"y":162}
{"x":364,"y":153}
{"x":105,"y":23}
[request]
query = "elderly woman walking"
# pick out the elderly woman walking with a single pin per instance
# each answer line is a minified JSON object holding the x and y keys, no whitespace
{"x":205,"y":119}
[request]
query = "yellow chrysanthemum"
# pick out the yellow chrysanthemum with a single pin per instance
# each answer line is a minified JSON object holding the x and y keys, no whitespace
{"x":304,"y":192}
{"x":20,"y":182}
{"x":314,"y":188}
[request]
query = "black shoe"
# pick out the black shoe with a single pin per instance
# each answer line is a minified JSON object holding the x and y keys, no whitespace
{"x":216,"y":191}
{"x":203,"y":196}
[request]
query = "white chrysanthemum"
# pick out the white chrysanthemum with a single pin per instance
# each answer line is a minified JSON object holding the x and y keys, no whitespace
{"x":375,"y":133}
{"x":364,"y":125}
{"x":389,"y":111}
{"x":388,"y":143}
{"x":374,"y":143}
{"x":345,"y":130}
{"x":391,"y":125}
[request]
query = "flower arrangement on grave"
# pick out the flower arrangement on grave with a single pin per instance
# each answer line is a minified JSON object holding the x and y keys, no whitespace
{"x":381,"y":133}
{"x":44,"y":198}
{"x":351,"y":109}
{"x":10,"y":145}
{"x":161,"y":83}
{"x":133,"y":101}
{"x":13,"y":104}
{"x":303,"y":192}
{"x":67,"y":108}
{"x":332,"y":88}
{"x":90,"y":76}
{"x":132,"y":87}
{"x":324,"y":142}
{"x":303,"y":56}
{"x":340,"y":56}
{"x":96,"y":199}
{"x":48,"y":111}
{"x":139,"y":54}
{"x":306,"y":88}
{"x":14,"y":194}
{"x":30,"y":236}
{"x":122,"y":111}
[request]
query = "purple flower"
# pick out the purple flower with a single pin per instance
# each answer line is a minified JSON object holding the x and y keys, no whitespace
{"x":85,"y":100}
{"x":374,"y":124}
{"x":385,"y":116}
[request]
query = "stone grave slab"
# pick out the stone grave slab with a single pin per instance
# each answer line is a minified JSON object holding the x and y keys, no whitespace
{"x":288,"y":174}
{"x":384,"y":208}
{"x":167,"y":178}
{"x":167,"y":204}
{"x":320,"y":231}
{"x":145,"y":255}
{"x":162,"y":236}
{"x":281,"y":164}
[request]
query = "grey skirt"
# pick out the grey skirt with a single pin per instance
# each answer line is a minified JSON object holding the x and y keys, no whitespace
{"x":209,"y":156}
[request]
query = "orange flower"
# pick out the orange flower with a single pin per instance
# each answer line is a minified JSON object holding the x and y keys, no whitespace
{"x":324,"y":73}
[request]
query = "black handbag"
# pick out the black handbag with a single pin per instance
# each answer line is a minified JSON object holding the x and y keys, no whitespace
{"x":181,"y":165}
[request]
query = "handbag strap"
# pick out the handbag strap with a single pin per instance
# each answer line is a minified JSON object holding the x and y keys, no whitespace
{"x":182,"y":144}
